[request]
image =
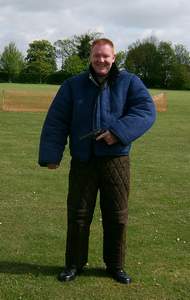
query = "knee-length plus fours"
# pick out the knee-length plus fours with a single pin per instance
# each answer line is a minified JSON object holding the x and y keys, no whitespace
{"x":109,"y":175}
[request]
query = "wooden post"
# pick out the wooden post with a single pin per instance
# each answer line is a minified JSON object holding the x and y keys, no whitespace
{"x":3,"y":99}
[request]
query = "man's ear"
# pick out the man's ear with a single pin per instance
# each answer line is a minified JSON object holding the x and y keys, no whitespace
{"x":114,"y":57}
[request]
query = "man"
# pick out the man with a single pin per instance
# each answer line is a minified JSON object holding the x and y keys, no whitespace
{"x":102,"y":111}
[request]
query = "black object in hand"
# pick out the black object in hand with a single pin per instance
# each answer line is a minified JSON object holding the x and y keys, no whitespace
{"x":92,"y":134}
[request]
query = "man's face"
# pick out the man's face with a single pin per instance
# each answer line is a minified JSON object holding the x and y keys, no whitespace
{"x":102,"y":58}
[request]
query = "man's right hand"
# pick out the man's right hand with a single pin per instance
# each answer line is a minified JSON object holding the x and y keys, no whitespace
{"x":52,"y":166}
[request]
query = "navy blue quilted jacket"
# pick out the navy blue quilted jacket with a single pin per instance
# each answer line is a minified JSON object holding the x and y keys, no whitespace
{"x":121,"y":105}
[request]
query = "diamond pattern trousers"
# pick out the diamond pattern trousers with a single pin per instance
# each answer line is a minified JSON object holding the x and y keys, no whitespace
{"x":110,"y":176}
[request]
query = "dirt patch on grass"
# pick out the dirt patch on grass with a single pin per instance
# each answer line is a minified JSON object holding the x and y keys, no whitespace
{"x":26,"y":101}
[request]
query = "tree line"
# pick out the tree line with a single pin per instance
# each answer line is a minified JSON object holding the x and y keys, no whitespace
{"x":158,"y":63}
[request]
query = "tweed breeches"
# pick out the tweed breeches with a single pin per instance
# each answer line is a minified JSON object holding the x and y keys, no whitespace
{"x":110,"y":176}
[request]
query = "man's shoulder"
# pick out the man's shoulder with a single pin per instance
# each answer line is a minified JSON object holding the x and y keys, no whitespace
{"x":126,"y":76}
{"x":123,"y":73}
{"x":78,"y":78}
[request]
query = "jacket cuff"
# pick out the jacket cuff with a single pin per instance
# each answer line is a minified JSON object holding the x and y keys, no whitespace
{"x":119,"y":130}
{"x":49,"y":156}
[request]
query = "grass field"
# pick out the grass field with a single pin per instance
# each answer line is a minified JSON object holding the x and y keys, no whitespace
{"x":33,"y":214}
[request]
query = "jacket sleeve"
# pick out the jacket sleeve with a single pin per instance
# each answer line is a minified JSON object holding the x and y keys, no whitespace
{"x":139,"y":116}
{"x":56,"y":127}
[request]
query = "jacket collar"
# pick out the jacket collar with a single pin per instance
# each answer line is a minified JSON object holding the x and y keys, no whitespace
{"x":112,"y":75}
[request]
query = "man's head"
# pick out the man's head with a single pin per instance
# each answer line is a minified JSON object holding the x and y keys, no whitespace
{"x":102,"y":56}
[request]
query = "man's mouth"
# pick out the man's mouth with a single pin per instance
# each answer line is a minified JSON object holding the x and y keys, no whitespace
{"x":101,"y":66}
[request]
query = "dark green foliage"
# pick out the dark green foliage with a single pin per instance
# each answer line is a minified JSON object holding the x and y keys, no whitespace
{"x":74,"y":65}
{"x":28,"y":77}
{"x":182,"y":55}
{"x":4,"y":76}
{"x":167,"y":61}
{"x":142,"y":60}
{"x":11,"y":61}
{"x":83,"y":44}
{"x":158,"y":64}
{"x":40,"y":59}
{"x":57,"y":77}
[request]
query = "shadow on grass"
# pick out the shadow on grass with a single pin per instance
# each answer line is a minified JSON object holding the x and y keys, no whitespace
{"x":94,"y":272}
{"x":26,"y":268}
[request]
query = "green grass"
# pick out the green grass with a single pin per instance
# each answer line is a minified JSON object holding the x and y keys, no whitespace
{"x":25,"y":86}
{"x":33,"y":214}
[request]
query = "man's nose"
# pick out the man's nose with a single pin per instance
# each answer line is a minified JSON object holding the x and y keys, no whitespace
{"x":101,"y":59}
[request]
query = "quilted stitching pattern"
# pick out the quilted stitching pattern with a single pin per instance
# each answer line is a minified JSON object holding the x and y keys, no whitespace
{"x":111,"y":176}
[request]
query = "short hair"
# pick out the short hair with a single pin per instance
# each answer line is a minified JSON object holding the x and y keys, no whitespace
{"x":103,"y":41}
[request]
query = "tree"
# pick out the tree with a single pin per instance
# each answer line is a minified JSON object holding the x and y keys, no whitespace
{"x":180,"y":77}
{"x":167,"y":63}
{"x":12,"y":61}
{"x":158,"y":64}
{"x":77,"y":45}
{"x":73,"y":65}
{"x":120,"y":59}
{"x":142,"y":59}
{"x":41,"y":59}
{"x":64,"y":49}
{"x":83,"y":44}
{"x":182,"y":55}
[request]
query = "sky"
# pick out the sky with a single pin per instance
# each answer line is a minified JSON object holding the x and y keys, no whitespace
{"x":123,"y":21}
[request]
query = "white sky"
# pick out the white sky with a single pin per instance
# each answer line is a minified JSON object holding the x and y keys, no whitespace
{"x":124,"y":21}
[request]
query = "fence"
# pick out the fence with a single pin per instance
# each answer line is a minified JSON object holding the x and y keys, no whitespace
{"x":39,"y":101}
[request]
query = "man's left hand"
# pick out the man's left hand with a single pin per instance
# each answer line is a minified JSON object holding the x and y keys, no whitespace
{"x":108,"y":137}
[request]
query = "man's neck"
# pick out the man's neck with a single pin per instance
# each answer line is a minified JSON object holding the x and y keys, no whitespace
{"x":101,"y":79}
